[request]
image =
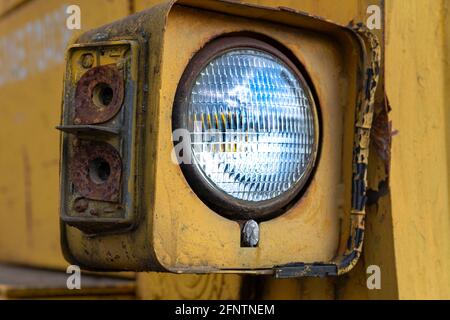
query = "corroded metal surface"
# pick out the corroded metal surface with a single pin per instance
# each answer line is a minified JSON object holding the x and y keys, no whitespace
{"x":87,"y":110}
{"x":382,"y":133}
{"x":87,"y":152}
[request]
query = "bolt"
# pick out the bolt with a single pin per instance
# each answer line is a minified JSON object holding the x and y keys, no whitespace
{"x":93,"y":212}
{"x":87,"y":60}
{"x":77,"y":121}
{"x":81,"y":204}
{"x":250,"y":234}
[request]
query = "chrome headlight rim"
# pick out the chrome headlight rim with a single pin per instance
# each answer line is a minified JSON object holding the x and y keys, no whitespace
{"x":215,"y":198}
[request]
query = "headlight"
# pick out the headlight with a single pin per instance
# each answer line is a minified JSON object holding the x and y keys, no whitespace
{"x":253,"y":125}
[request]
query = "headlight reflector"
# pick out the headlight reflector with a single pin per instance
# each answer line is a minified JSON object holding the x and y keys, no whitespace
{"x":253,"y":125}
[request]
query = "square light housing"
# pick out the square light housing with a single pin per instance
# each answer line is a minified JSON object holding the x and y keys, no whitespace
{"x":168,"y":227}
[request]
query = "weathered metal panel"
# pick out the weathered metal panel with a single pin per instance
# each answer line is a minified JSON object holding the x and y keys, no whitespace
{"x":418,"y":86}
{"x":33,"y":38}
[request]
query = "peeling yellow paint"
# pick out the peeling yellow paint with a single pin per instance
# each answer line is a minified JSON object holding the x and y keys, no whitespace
{"x":407,"y":233}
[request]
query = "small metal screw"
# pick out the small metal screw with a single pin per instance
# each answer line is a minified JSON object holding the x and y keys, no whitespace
{"x":87,"y":60}
{"x":81,"y":205}
{"x":250,"y":234}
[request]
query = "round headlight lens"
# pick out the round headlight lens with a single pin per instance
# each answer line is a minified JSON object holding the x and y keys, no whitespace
{"x":253,"y":125}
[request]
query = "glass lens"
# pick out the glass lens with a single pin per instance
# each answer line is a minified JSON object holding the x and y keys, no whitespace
{"x":251,"y":124}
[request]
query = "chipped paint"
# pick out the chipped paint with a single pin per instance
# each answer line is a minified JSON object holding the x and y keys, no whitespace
{"x":48,"y":38}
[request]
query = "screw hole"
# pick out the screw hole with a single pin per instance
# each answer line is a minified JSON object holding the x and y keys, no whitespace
{"x":102,"y":95}
{"x":99,"y":170}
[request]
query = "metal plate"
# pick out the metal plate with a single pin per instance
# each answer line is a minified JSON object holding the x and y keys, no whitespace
{"x":89,"y":184}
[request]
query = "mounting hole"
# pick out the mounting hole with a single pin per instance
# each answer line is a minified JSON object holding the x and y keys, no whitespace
{"x":102,"y":95}
{"x":99,"y":170}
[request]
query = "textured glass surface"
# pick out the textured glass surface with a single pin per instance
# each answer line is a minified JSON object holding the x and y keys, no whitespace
{"x":252,"y":125}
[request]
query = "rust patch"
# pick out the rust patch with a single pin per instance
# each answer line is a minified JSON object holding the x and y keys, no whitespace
{"x":381,"y":135}
{"x":96,"y":170}
{"x":99,"y":95}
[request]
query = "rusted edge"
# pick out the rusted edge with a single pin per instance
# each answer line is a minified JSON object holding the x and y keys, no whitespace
{"x":363,"y":124}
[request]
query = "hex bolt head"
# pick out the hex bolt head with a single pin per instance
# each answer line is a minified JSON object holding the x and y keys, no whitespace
{"x":250,"y":234}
